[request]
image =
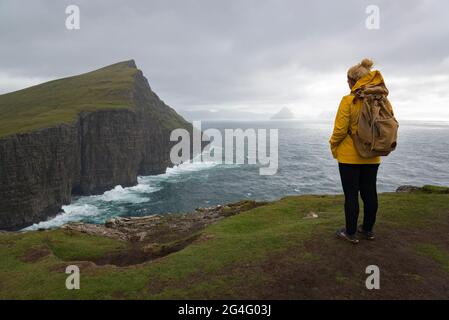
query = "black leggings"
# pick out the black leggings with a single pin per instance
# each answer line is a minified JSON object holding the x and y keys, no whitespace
{"x":363,"y":178}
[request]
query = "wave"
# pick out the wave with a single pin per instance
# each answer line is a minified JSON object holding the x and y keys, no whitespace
{"x":127,"y":195}
{"x":108,"y":204}
{"x":73,"y":212}
{"x":189,"y":167}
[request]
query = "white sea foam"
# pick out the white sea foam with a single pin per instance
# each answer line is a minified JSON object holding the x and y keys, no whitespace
{"x":92,"y":206}
{"x":188,"y":167}
{"x":72,"y":213}
{"x":127,"y":195}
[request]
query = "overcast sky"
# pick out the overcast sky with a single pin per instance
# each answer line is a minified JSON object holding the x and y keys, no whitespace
{"x":241,"y":55}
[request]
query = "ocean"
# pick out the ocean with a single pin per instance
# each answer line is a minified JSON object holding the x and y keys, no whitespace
{"x":305,"y":166}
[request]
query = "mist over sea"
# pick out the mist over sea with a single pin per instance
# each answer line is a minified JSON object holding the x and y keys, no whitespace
{"x":306,"y":166}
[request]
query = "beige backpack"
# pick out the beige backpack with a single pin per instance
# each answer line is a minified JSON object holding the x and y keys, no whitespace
{"x":377,"y":130}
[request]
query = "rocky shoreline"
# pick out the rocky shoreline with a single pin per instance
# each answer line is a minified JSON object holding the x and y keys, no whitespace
{"x":162,"y":227}
{"x":172,"y":226}
{"x":154,"y":236}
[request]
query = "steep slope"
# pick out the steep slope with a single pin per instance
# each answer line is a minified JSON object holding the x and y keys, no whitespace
{"x":84,"y":135}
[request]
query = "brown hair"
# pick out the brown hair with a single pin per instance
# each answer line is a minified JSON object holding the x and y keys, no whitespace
{"x":360,"y":70}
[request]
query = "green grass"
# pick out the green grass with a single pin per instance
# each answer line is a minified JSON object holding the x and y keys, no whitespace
{"x":244,"y":256}
{"x":436,"y":253}
{"x":435,"y":189}
{"x":60,"y":101}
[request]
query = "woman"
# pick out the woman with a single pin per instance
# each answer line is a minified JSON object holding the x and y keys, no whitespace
{"x":357,"y":174}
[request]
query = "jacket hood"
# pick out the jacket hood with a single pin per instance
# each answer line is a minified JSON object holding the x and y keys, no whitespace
{"x":373,"y":78}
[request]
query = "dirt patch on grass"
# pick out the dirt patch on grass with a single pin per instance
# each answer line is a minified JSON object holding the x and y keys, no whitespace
{"x":35,"y":254}
{"x":324,"y":267}
{"x":338,"y":271}
{"x":118,"y":295}
{"x":204,"y":238}
{"x":138,"y":253}
{"x":157,"y":285}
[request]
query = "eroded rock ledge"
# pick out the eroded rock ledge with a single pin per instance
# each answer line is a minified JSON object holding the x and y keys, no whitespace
{"x":155,"y":236}
{"x":423,"y":189}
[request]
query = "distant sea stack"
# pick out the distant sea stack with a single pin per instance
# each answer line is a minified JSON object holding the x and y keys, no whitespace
{"x":283,"y":114}
{"x":79,"y":135}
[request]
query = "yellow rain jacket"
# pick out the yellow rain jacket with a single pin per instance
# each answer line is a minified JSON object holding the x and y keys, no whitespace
{"x":342,"y":146}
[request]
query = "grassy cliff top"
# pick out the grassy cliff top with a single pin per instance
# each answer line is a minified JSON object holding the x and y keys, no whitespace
{"x":273,"y":251}
{"x":60,"y":101}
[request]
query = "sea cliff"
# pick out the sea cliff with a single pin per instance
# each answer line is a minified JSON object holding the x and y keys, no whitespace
{"x":44,"y":161}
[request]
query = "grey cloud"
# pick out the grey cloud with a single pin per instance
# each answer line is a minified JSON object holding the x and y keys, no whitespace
{"x":204,"y":52}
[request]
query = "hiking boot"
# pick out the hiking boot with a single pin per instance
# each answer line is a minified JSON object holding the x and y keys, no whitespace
{"x":368,"y":235}
{"x":341,"y":234}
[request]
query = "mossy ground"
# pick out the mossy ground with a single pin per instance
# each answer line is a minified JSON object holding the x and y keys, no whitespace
{"x":268,"y":252}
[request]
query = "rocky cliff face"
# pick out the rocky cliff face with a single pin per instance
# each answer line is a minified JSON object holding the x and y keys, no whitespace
{"x":40,"y":170}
